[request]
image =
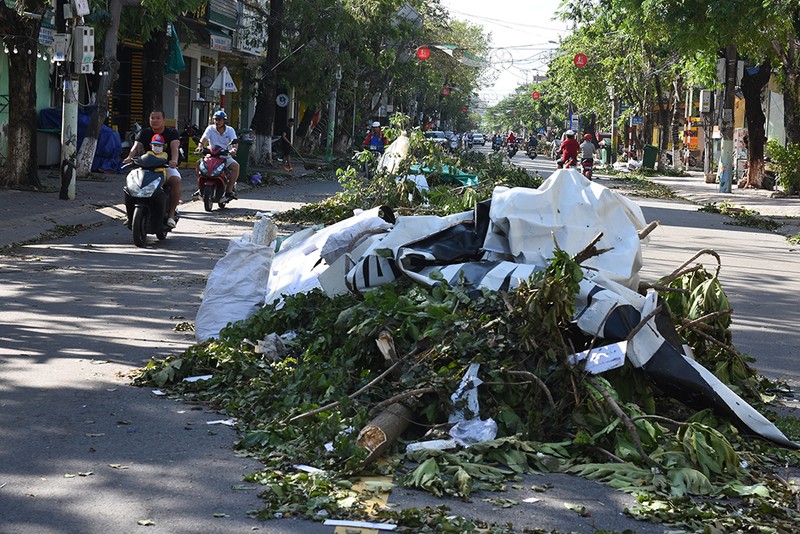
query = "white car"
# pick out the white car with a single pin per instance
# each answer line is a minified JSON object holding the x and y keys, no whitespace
{"x":478,"y":139}
{"x":437,"y":137}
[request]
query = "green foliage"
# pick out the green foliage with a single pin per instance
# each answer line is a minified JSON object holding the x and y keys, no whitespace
{"x":786,"y":162}
{"x":742,"y":216}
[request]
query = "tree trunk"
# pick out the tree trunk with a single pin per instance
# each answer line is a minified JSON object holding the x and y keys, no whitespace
{"x":676,"y":126}
{"x":154,"y":56}
{"x":752,"y":87}
{"x":21,"y":167}
{"x":663,"y":122}
{"x":264,"y":116}
{"x":110,"y":66}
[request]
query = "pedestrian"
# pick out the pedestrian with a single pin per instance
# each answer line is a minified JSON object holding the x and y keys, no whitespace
{"x":286,"y":144}
{"x":172,"y":141}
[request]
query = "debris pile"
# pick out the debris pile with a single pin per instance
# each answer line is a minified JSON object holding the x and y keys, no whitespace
{"x":513,"y":318}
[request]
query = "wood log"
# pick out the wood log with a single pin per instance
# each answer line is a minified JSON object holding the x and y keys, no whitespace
{"x":383,"y":430}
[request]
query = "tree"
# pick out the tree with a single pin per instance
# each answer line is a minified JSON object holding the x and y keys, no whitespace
{"x":21,"y":33}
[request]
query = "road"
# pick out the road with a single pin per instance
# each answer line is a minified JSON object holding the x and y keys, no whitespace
{"x":83,"y":451}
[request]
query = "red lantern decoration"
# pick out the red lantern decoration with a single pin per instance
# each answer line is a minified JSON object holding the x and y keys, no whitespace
{"x":463,"y":109}
{"x":535,"y":95}
{"x":580,"y":60}
{"x":423,"y":53}
{"x":445,"y":91}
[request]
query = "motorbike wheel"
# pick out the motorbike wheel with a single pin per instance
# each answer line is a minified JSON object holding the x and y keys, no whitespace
{"x":161,"y":235}
{"x":139,"y":227}
{"x":208,"y":197}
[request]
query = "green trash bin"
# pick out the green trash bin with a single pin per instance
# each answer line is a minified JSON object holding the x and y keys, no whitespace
{"x":605,"y":153}
{"x":650,"y":156}
{"x":243,"y":155}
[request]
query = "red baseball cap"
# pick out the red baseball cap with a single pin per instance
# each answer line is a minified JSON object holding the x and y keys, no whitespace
{"x":157,"y":139}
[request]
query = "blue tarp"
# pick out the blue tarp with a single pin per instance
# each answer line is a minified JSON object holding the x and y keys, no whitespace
{"x":109,"y":146}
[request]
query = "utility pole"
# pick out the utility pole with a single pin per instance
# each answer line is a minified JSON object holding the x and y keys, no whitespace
{"x":67,"y":15}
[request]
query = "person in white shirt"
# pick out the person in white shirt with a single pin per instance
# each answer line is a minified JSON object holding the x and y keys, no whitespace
{"x":220,"y":134}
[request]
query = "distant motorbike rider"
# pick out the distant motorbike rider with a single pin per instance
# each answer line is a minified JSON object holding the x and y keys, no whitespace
{"x":569,"y":150}
{"x":220,"y":134}
{"x":533,"y":142}
{"x":511,"y":139}
{"x":375,"y":140}
{"x":587,"y":148}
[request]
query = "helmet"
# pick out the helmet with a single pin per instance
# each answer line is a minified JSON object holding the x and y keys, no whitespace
{"x":220,"y":115}
{"x":376,"y":124}
{"x":570,"y":133}
{"x":157,"y":139}
{"x":588,"y":137}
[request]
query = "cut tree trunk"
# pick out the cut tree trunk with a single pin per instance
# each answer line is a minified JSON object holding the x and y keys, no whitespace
{"x":788,"y":52}
{"x":677,"y":122}
{"x":382,"y":431}
{"x":264,"y":116}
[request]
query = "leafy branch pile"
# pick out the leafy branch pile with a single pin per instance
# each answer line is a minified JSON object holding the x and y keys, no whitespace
{"x":443,"y":197}
{"x":551,"y":415}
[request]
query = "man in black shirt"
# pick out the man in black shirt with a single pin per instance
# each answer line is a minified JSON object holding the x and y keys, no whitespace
{"x":172,"y":143}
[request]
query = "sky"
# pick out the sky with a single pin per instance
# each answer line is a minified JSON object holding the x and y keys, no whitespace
{"x":523,"y":35}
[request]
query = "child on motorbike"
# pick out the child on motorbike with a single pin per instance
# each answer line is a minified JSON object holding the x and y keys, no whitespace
{"x":157,"y":147}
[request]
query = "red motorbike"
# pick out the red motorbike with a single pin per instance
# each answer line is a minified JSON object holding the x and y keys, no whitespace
{"x":212,"y":180}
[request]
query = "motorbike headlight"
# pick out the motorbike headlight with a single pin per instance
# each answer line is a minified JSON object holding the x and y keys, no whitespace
{"x":217,"y":170}
{"x":203,"y":168}
{"x":135,"y":187}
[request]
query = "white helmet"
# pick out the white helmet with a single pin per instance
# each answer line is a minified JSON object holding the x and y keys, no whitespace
{"x":570,"y":133}
{"x":376,"y":124}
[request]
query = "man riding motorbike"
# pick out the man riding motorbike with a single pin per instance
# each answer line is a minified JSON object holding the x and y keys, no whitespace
{"x":375,"y":140}
{"x":569,"y":151}
{"x":220,"y":134}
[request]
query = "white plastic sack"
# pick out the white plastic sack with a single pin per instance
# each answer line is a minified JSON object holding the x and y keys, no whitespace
{"x":235,"y":288}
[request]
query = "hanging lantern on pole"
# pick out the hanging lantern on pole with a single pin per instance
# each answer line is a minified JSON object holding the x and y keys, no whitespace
{"x":423,"y":53}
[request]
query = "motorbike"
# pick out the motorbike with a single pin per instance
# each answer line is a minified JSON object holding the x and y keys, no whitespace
{"x":587,"y":165}
{"x":146,"y":201}
{"x":566,"y":163}
{"x":212,"y":180}
{"x":531,"y":152}
{"x":511,"y":149}
{"x":496,"y":144}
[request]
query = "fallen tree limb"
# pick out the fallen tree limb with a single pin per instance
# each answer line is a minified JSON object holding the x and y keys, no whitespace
{"x":703,"y":319}
{"x":690,"y":260}
{"x":637,"y":442}
{"x":590,"y":251}
{"x":647,"y":230}
{"x":401,"y":397}
{"x":538,"y":381}
{"x":374,"y":381}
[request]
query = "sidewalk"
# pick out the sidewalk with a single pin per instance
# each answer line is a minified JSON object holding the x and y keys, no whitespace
{"x":28,"y":215}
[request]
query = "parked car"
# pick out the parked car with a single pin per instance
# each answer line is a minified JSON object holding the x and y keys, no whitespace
{"x":478,"y":139}
{"x":437,"y":137}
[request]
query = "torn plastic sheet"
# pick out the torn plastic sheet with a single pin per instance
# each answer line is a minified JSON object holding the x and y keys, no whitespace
{"x":296,"y":269}
{"x":572,"y":210}
{"x":465,"y":398}
{"x":656,"y":349}
{"x":601,"y":359}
